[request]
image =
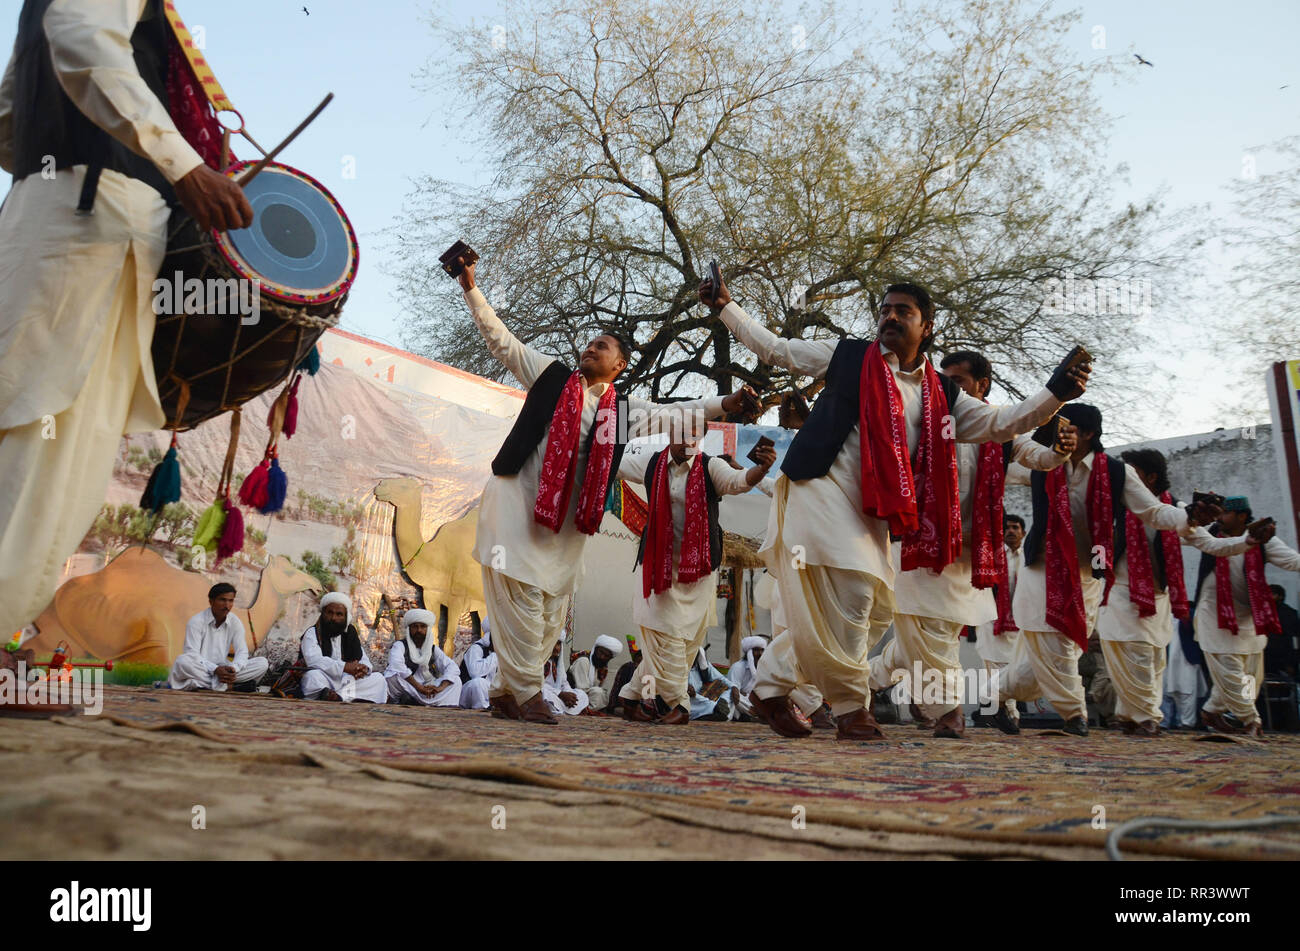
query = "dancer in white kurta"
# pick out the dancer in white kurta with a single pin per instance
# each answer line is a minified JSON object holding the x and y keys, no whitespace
{"x":587,"y":671}
{"x":677,"y":568}
{"x":832,"y":561}
{"x":1046,"y":662}
{"x":76,"y":321}
{"x":1236,"y":658}
{"x":215,"y":655}
{"x":418,"y":671}
{"x":543,"y":502}
{"x":480,"y":662}
{"x":559,"y":695}
{"x":341,"y":669}
{"x":1135,"y":644}
{"x":997,"y":648}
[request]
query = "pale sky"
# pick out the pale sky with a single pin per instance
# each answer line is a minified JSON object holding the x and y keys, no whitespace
{"x":1212,"y":96}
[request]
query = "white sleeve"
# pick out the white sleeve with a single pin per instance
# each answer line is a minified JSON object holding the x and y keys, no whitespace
{"x":397,"y":661}
{"x":520,"y":359}
{"x":1034,"y":455}
{"x":977,"y":421}
{"x":1017,"y":474}
{"x":767,"y":487}
{"x":1222,"y":547}
{"x":633,"y":466}
{"x":444,"y":669}
{"x":1139,"y":500}
{"x":194,"y":643}
{"x":645,"y":418}
{"x":1281,"y":555}
{"x":90,"y":46}
{"x":312,"y":655}
{"x":240,"y":642}
{"x":475,"y":665}
{"x":807,"y":357}
{"x":581,"y":673}
{"x":726,"y":480}
{"x":7,"y":160}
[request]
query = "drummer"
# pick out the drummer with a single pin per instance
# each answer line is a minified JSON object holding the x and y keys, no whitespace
{"x":86,"y":88}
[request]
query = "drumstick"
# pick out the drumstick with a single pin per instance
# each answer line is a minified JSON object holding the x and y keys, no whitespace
{"x":248,"y":176}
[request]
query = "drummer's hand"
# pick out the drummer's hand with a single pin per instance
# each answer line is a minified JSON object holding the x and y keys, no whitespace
{"x":214,"y":200}
{"x":466,"y":275}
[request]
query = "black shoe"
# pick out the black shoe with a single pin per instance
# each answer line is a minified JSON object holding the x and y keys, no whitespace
{"x":1007,"y":724}
{"x":883,"y":708}
{"x":722,"y":711}
{"x":1076,"y":726}
{"x":244,"y":686}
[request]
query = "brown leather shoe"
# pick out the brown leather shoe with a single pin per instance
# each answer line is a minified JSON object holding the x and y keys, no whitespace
{"x":1216,"y":723}
{"x":920,"y":719}
{"x":781,"y":715}
{"x":858,"y":725}
{"x":952,"y":725}
{"x":505,"y":707}
{"x":677,"y":716}
{"x":535,"y":710}
{"x":823,"y":719}
{"x":1129,"y":727}
{"x":1147,"y":728}
{"x":1255,"y":729}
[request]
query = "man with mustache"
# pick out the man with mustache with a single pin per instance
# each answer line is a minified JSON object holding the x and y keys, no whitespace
{"x":339,"y":666}
{"x":876,"y":456}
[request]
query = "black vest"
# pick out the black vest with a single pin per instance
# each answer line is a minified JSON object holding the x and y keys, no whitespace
{"x":535,"y":419}
{"x":835,"y":413}
{"x":47,"y":123}
{"x":711,"y":497}
{"x":1038,"y":491}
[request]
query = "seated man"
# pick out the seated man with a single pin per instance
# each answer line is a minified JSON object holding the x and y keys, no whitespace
{"x":559,"y":696}
{"x":588,"y":673}
{"x":709,"y":690}
{"x":215,"y":656}
{"x":624,"y":675}
{"x":477,"y":668}
{"x":743,"y":672}
{"x":340,"y":670}
{"x":418,"y":671}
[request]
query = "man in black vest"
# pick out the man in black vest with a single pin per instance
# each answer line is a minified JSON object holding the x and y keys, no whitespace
{"x":1069,"y":565}
{"x":675,"y":597}
{"x":884,"y":411}
{"x":564,"y":449}
{"x":85,"y":89}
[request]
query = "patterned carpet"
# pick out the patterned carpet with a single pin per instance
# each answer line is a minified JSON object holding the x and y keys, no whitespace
{"x":1044,"y":788}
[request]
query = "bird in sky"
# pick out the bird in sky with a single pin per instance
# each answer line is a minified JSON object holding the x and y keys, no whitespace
{"x":1144,"y":62}
{"x":306,"y":11}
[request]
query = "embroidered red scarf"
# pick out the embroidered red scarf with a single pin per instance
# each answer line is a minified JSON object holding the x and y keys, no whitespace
{"x":694,"y":563}
{"x":555,"y":482}
{"x":1065,"y":610}
{"x":1141,"y":569}
{"x":926,"y":511}
{"x":988,"y":551}
{"x":1262,"y":609}
{"x":1101,"y":518}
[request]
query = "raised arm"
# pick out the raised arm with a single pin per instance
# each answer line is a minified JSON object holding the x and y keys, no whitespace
{"x":1034,"y":455}
{"x":633,"y":465}
{"x":977,"y":421}
{"x":520,"y":359}
{"x":1222,"y":547}
{"x":1139,"y":500}
{"x":1281,"y":555}
{"x":806,"y":357}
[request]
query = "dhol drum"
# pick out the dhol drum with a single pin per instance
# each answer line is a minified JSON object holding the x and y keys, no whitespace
{"x":238,"y":311}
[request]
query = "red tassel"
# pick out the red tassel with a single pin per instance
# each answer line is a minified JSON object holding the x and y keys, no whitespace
{"x":252,"y":492}
{"x":232,"y":533}
{"x":291,"y":411}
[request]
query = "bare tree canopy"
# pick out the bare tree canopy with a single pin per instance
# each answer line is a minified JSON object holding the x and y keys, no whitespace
{"x":817,"y":159}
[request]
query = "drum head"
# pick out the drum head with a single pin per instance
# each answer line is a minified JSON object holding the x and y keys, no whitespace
{"x":301,"y":247}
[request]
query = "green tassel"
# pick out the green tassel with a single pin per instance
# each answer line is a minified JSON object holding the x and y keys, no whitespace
{"x":211,"y":522}
{"x":310,"y":363}
{"x":164,"y":485}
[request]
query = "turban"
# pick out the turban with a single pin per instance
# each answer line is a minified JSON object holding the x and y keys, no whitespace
{"x":419,"y":656}
{"x":610,"y":644}
{"x":337,"y":597}
{"x":1236,"y":503}
{"x":748,"y":645}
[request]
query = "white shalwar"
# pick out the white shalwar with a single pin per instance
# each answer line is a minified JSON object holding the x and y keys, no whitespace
{"x":1236,"y":661}
{"x":529,"y":571}
{"x":440,"y":670}
{"x":996,"y":650}
{"x":1135,"y":647}
{"x":209,"y":645}
{"x":777,"y":667}
{"x":482,"y":668}
{"x":76,"y":316}
{"x":931,"y":609}
{"x":1046,"y":662}
{"x":557,"y":683}
{"x":831,"y":561}
{"x":327,"y":672}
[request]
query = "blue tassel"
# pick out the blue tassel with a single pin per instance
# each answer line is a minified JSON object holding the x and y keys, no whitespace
{"x":164,"y":486}
{"x":310,"y":363}
{"x":277,"y":487}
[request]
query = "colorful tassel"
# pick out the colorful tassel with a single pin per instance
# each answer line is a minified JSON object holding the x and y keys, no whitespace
{"x":232,"y":532}
{"x":277,"y":487}
{"x":291,"y":411}
{"x":310,"y":363}
{"x":211,"y":522}
{"x":164,"y":486}
{"x":252,"y":491}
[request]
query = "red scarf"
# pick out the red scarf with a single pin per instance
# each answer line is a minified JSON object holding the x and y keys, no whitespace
{"x":1002,"y":593}
{"x":695,"y":563}
{"x":189,"y":107}
{"x":930,"y":529}
{"x":988,"y":551}
{"x":1262,"y":609}
{"x":1065,"y":610}
{"x":1101,"y":518}
{"x":1141,"y":570}
{"x":555,"y":483}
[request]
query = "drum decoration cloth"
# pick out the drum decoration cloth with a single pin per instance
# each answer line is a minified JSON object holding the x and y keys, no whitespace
{"x":237,"y":311}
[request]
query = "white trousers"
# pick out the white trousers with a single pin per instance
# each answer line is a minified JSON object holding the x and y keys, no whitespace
{"x":665,"y":667}
{"x":992,"y":666}
{"x":372,"y":687}
{"x":1237,"y":681}
{"x":1046,"y":664}
{"x":401,"y":690}
{"x":556,"y":705}
{"x":188,"y":674}
{"x":474,"y":694}
{"x":933,"y":643}
{"x":1137,"y":671}
{"x":526,"y":623}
